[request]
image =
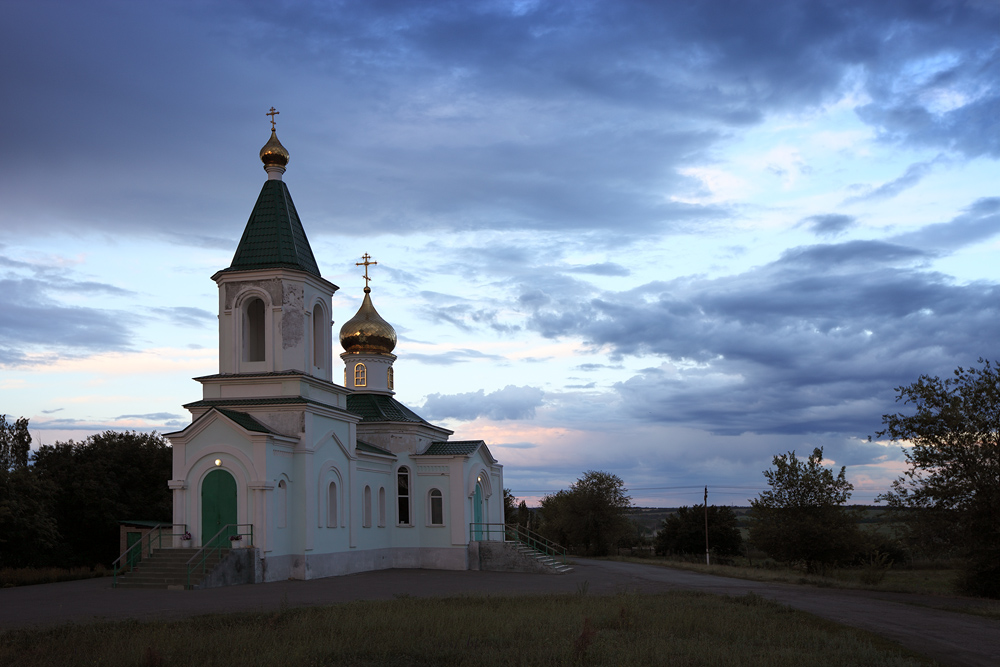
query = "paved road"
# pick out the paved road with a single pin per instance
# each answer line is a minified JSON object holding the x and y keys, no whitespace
{"x":914,"y":621}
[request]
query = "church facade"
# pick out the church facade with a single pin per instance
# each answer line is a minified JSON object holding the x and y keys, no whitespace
{"x":328,"y":478}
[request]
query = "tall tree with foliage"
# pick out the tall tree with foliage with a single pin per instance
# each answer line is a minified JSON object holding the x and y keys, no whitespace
{"x":683,"y":532}
{"x":106,"y":478}
{"x":952,"y":485}
{"x":802,"y":516}
{"x":590,"y":516}
{"x":15,"y":443}
{"x":28,"y":531}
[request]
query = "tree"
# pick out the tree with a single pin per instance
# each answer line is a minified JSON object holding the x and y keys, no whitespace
{"x":801,"y":517}
{"x":106,"y":478}
{"x":15,"y":443}
{"x":590,"y":515}
{"x":952,"y":486}
{"x":509,"y":507}
{"x":684,"y":532}
{"x":28,"y":530}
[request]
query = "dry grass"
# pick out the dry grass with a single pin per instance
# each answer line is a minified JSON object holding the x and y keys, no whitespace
{"x":28,"y":576}
{"x":674,"y":629}
{"x":931,"y":580}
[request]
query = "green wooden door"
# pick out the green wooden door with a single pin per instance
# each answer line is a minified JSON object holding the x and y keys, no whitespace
{"x":477,"y":512}
{"x":135,"y":555}
{"x":218,"y":507}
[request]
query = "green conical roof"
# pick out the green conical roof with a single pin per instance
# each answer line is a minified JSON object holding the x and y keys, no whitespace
{"x":274,"y":237}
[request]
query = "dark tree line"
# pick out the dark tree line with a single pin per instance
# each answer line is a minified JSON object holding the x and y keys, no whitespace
{"x":589,"y":517}
{"x":61,"y":505}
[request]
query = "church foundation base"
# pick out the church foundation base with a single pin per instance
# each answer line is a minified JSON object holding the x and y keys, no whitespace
{"x":319,"y":566}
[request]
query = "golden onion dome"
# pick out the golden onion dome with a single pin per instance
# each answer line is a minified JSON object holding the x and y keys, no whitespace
{"x":273,"y":152}
{"x":367,"y":332}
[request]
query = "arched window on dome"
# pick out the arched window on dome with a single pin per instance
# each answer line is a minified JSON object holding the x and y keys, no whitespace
{"x":253,"y":330}
{"x":318,"y":337}
{"x":360,"y":375}
{"x":389,"y":377}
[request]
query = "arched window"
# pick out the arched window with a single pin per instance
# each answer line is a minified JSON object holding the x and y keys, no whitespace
{"x":389,"y":377}
{"x":282,"y":509}
{"x":381,"y":507}
{"x":331,"y":506}
{"x":360,"y":375}
{"x":403,"y":496}
{"x":436,"y":507}
{"x":318,"y":337}
{"x":253,"y":330}
{"x":366,"y":520}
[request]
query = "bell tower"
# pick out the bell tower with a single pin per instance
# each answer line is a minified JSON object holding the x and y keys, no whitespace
{"x":275,"y":309}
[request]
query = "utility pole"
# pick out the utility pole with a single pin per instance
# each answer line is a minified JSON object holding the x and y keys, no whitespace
{"x":706,"y":527}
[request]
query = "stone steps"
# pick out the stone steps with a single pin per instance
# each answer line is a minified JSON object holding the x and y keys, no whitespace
{"x":167,"y":568}
{"x":542,"y":558}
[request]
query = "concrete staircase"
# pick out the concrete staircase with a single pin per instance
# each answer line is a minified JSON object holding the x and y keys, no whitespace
{"x":544,"y":559}
{"x":167,"y":568}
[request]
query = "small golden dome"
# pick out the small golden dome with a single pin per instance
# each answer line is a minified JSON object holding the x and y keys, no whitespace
{"x":367,"y":332}
{"x":273,"y":152}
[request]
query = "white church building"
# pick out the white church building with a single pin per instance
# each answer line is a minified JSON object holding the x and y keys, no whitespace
{"x":329,"y":479}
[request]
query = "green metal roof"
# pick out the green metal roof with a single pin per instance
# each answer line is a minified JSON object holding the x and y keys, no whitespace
{"x":245,"y":420}
{"x":381,"y":408}
{"x":373,"y":449}
{"x":453,"y":448}
{"x":239,"y":402}
{"x":274,"y":237}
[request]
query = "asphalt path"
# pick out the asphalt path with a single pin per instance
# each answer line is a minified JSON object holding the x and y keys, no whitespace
{"x":922,"y":623}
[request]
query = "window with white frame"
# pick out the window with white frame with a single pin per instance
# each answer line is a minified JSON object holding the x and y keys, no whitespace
{"x":331,"y":506}
{"x":253,"y":330}
{"x":403,"y":496}
{"x":381,"y":507}
{"x":367,"y":507}
{"x":318,"y":337}
{"x":435,"y":502}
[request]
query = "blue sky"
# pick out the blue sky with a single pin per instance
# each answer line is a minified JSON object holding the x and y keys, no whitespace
{"x":668,"y":240}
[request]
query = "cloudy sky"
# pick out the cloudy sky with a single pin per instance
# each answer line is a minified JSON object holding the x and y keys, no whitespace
{"x":663,"y":239}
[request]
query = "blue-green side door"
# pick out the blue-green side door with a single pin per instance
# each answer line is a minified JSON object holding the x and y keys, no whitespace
{"x":218,"y":507}
{"x":477,"y":512}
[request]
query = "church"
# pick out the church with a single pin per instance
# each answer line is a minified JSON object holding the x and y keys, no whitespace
{"x":321,"y":478}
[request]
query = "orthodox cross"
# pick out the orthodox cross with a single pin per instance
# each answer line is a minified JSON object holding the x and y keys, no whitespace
{"x":366,"y":264}
{"x":272,"y":113}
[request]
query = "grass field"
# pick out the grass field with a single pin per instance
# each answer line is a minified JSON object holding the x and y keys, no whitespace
{"x":674,"y":629}
{"x":931,"y":580}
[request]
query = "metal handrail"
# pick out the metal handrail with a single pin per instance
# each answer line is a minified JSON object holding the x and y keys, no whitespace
{"x":210,"y":547}
{"x":520,"y":534}
{"x":128,"y":561}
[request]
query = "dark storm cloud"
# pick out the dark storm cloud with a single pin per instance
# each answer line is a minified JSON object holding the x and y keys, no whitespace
{"x":813,"y":342}
{"x":978,"y":223}
{"x":913,"y":175}
{"x":830,"y":224}
{"x":511,"y":402}
{"x":451,"y":115}
{"x":31,"y":318}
